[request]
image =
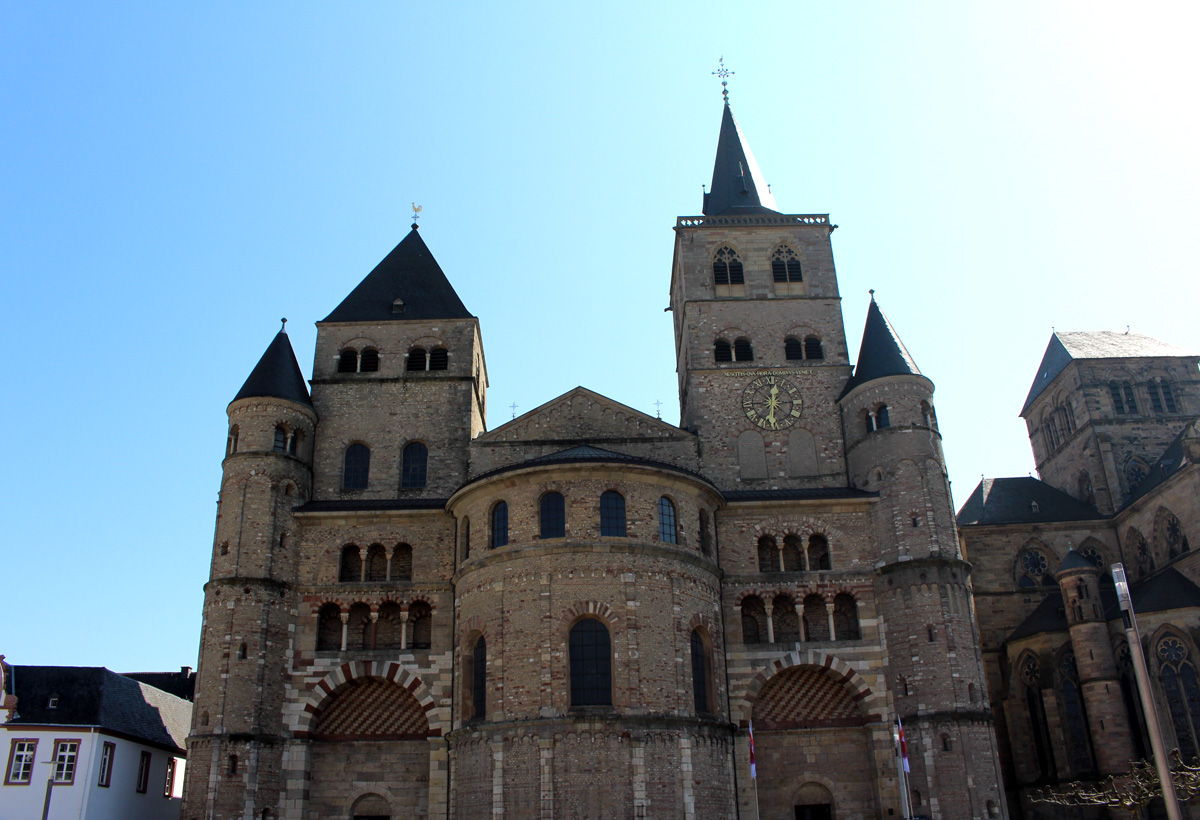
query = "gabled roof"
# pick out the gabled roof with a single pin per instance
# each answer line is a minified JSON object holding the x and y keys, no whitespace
{"x":409,"y":273}
{"x":1093,"y":344}
{"x":881,"y":352}
{"x":277,"y":375}
{"x":587,"y":454}
{"x":95,"y":696}
{"x":737,"y":183}
{"x":567,"y":417}
{"x":1011,"y":501}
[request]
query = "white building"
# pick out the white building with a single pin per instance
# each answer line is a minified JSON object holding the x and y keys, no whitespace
{"x":112,"y":747}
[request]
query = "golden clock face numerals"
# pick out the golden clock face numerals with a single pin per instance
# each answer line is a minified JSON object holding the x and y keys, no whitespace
{"x":772,"y":403}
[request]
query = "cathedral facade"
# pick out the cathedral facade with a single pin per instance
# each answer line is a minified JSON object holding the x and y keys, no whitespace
{"x":588,"y":612}
{"x":1112,"y":420}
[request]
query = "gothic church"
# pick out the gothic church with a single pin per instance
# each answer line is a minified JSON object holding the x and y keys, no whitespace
{"x":581,"y":613}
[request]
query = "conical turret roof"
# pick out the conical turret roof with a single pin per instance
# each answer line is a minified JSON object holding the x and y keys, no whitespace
{"x":277,"y":375}
{"x":737,"y":183}
{"x":409,"y":274}
{"x":881,"y":352}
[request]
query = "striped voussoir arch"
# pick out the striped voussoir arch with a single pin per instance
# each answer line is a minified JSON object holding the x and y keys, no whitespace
{"x":856,"y":688}
{"x":341,"y":680}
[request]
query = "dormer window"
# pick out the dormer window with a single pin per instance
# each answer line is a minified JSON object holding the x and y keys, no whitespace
{"x":1034,"y":508}
{"x":52,"y":703}
{"x":398,"y":306}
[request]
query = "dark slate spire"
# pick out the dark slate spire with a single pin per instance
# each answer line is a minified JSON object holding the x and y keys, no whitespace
{"x":277,"y":375}
{"x":881,"y":352}
{"x":409,"y":274}
{"x":737,"y":184}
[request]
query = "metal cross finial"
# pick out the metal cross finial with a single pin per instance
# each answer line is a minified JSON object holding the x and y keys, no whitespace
{"x":658,"y":408}
{"x":513,"y":406}
{"x":724,"y":74}
{"x":416,"y":214}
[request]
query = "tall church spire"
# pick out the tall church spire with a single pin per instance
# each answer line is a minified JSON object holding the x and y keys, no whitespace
{"x":737,"y":184}
{"x":881,"y":352}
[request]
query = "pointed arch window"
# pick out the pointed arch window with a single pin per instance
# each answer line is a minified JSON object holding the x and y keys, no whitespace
{"x":700,"y":673}
{"x":668,"y":532}
{"x":1182,"y":689}
{"x":500,"y":524}
{"x":439,"y":359}
{"x":417,"y":359}
{"x":413,"y":466}
{"x":785,"y":265}
{"x":369,"y":361}
{"x":1136,"y":473}
{"x":348,"y":361}
{"x":612,"y":514}
{"x":727,"y":267}
{"x":356,"y":467}
{"x":1031,"y":674}
{"x":553,"y":516}
{"x":1079,"y":739}
{"x":591,"y":664}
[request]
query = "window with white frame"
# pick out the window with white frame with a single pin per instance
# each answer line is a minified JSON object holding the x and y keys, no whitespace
{"x":169,"y":783}
{"x":20,"y":761}
{"x":106,"y":764}
{"x":65,"y":754}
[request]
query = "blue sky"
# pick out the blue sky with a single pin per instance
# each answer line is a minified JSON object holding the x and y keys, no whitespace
{"x":177,"y":177}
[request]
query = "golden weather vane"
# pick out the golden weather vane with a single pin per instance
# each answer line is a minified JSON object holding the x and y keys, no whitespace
{"x":416,"y":213}
{"x":724,"y":74}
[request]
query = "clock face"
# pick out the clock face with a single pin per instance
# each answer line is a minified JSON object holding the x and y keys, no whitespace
{"x":772,"y":403}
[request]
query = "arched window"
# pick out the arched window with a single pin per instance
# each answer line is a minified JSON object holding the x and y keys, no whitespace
{"x":754,"y":621}
{"x":1135,"y":473}
{"x":727,"y":267}
{"x":390,"y":626}
{"x":591,"y":664}
{"x":369,"y":362}
{"x":553,"y":516}
{"x":813,"y":349}
{"x":845,"y":618}
{"x":816,"y":618}
{"x":1033,"y":569}
{"x":350,"y":568}
{"x":793,"y":349}
{"x":439,"y":359}
{"x":1078,"y":738}
{"x":329,"y":628}
{"x":818,"y":552}
{"x":612,"y":514}
{"x":742,"y":351}
{"x":241,"y":653}
{"x":477,"y":679}
{"x":928,"y":417}
{"x":768,"y":554}
{"x":1170,"y":539}
{"x":281,"y":437}
{"x":793,"y":554}
{"x":417,"y":360}
{"x":705,"y":534}
{"x":377,"y":563}
{"x":356,"y":467}
{"x":1182,"y":689}
{"x":722,"y":352}
{"x":231,"y":443}
{"x":233,"y":764}
{"x":500,"y":524}
{"x":1122,"y":398}
{"x":348,"y":361}
{"x":787,"y":621}
{"x":466,"y":538}
{"x":785,"y":265}
{"x":420,"y":615}
{"x":700,"y":673}
{"x":1136,"y":545}
{"x":882,"y":417}
{"x":402,"y":563}
{"x":668,"y":533}
{"x":358,"y":627}
{"x":1084,"y":491}
{"x":412,"y":466}
{"x":294,"y":442}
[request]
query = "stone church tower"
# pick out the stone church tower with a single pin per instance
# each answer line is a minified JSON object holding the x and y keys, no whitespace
{"x":581,"y":613}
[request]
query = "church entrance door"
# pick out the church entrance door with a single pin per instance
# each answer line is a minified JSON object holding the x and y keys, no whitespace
{"x":818,"y":811}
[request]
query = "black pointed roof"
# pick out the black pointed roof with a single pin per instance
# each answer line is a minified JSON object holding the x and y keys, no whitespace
{"x":277,"y":375}
{"x":881,"y":352}
{"x":737,"y":184}
{"x":409,"y":273}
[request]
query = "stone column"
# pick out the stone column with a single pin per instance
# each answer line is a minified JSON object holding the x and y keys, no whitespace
{"x":829,"y":614}
{"x":404,"y":629}
{"x":803,"y":624}
{"x":770,"y":608}
{"x":345,"y":616}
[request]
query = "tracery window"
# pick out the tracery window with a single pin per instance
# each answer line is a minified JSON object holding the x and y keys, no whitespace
{"x":413,"y":466}
{"x":356,"y":467}
{"x":553,"y":516}
{"x":1031,"y":675}
{"x":612,"y":514}
{"x":668,"y":531}
{"x":500,"y":524}
{"x":785,"y":265}
{"x":1136,"y":473}
{"x":1169,"y":531}
{"x":1078,"y":737}
{"x":1033,"y":569}
{"x":727,"y":267}
{"x":1136,"y":543}
{"x":591,"y":664}
{"x":1182,"y":689}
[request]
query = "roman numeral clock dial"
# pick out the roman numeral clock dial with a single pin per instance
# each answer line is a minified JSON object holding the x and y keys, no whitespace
{"x":772,"y":403}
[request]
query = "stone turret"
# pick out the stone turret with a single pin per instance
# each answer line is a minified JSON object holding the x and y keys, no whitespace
{"x":235,"y":747}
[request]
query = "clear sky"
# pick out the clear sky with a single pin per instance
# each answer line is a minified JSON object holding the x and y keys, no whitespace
{"x":177,"y":177}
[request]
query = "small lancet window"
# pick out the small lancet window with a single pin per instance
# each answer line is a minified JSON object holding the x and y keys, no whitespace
{"x":500,"y":525}
{"x":348,"y":361}
{"x":727,"y":267}
{"x":785,"y":265}
{"x":668,"y":533}
{"x":369,"y":362}
{"x":439,"y":359}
